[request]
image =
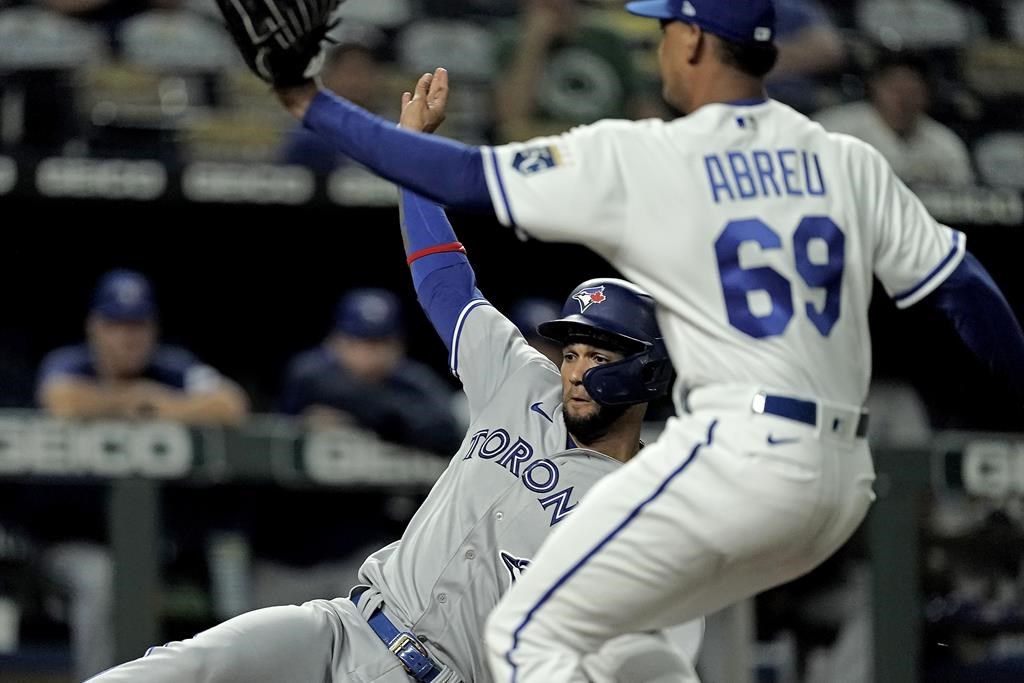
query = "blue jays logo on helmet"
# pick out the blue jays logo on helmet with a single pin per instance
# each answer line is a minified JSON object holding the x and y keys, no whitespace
{"x":590,"y":296}
{"x":514,"y":565}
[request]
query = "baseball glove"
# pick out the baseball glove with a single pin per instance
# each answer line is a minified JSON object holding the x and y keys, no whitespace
{"x":280,"y":39}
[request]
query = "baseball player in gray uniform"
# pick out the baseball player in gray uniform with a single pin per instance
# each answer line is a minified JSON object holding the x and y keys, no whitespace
{"x":538,"y":440}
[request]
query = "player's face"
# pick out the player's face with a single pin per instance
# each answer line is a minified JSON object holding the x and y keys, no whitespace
{"x":122,"y":348}
{"x":577,"y":358}
{"x":901,"y":97}
{"x":371,"y":360}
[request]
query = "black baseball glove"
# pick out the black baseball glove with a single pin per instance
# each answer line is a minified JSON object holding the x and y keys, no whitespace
{"x":280,"y":39}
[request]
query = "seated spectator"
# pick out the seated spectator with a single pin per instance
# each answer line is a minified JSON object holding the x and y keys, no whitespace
{"x":122,"y":370}
{"x":561,"y":70}
{"x":895,"y":121}
{"x":351,"y":69}
{"x":810,"y":49}
{"x":360,"y":375}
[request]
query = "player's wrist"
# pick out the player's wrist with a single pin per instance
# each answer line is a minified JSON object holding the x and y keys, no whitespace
{"x":297,"y":98}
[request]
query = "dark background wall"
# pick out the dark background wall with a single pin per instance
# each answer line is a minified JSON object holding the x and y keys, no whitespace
{"x":245,"y":287}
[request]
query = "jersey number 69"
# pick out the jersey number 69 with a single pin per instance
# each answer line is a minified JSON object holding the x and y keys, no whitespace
{"x":739,"y":282}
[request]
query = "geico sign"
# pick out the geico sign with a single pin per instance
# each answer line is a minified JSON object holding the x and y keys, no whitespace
{"x":161,"y":450}
{"x":993,"y":469}
{"x":351,"y":457}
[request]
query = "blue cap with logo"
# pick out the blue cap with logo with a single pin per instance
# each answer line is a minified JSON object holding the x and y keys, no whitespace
{"x":124,"y":295}
{"x":740,"y":21}
{"x":369,"y":313}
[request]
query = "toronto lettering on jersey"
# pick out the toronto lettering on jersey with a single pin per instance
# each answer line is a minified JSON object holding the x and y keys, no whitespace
{"x":758,"y":173}
{"x":539,"y":476}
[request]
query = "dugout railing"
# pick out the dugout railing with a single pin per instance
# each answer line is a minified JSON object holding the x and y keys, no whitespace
{"x":135,"y":461}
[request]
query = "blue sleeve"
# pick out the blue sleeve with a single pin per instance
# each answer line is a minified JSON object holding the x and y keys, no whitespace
{"x":448,"y":172}
{"x":72,"y":361}
{"x":295,"y":395}
{"x":445,"y":283}
{"x":970,"y":298}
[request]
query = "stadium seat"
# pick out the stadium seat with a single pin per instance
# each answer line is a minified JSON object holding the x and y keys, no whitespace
{"x":999,"y":157}
{"x":464,"y":48}
{"x":1015,"y":20}
{"x":381,"y":13}
{"x":919,"y":24}
{"x":994,"y":70}
{"x":177,"y":41}
{"x":35,"y":38}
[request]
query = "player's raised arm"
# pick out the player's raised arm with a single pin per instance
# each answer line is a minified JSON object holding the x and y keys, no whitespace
{"x":444,"y":280}
{"x":444,"y":170}
{"x":286,"y":55}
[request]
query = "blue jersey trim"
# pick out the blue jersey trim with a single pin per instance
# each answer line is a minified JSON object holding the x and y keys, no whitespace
{"x":933,"y":272}
{"x":607,"y":539}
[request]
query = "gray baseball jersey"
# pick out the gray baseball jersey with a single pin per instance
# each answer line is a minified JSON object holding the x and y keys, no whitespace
{"x":516,"y":475}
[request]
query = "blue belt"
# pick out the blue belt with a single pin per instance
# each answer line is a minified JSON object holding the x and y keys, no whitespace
{"x":404,"y":644}
{"x":804,"y":411}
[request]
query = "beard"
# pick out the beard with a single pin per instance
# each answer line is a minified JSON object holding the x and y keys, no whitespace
{"x":592,"y":427}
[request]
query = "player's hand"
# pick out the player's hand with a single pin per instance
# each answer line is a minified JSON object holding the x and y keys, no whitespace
{"x":296,"y":99}
{"x":424,"y":110}
{"x":147,"y":399}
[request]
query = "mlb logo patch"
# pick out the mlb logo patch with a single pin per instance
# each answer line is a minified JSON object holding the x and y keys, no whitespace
{"x":590,"y":296}
{"x":536,"y":159}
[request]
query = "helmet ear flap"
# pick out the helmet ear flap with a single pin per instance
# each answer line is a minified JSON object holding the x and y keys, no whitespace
{"x":639,"y":378}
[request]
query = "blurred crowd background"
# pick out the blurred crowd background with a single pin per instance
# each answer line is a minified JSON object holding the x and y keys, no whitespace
{"x":115,"y":309}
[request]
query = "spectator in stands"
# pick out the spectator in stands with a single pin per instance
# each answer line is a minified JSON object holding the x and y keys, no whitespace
{"x":351,"y":69}
{"x":360,"y":375}
{"x":121,"y":371}
{"x":527,"y":314}
{"x":895,"y":121}
{"x":561,"y":70}
{"x":810,"y":50}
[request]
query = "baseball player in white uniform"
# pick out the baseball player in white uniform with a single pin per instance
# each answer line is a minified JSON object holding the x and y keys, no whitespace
{"x":759,"y":234}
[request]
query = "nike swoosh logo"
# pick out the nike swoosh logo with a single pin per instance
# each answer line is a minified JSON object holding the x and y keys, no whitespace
{"x":536,"y":407}
{"x":772,"y":441}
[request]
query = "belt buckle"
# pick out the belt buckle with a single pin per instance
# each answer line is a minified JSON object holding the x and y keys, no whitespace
{"x":838,"y":423}
{"x":403,"y":640}
{"x":757,"y":404}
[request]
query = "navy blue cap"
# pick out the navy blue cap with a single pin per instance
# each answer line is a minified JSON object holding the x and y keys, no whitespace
{"x":124,"y":295}
{"x":527,"y":314}
{"x":741,"y":21}
{"x":369,"y":313}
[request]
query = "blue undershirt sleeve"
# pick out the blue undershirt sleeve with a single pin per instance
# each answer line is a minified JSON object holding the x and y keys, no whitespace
{"x":444,"y":170}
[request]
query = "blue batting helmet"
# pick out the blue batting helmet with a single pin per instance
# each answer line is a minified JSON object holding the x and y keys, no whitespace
{"x":617,"y":315}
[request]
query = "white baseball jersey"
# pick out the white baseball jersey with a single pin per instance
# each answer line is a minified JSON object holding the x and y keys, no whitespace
{"x":757,"y":232}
